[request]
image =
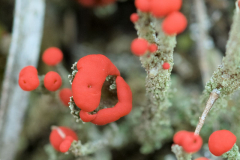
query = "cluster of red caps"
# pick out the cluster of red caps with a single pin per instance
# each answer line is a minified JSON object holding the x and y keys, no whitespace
{"x":29,"y":81}
{"x":94,"y":3}
{"x":174,"y":21}
{"x":61,"y":138}
{"x":140,"y":46}
{"x":87,"y":85}
{"x":219,"y":142}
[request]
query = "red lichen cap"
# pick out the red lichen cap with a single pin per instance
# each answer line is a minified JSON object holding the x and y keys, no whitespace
{"x":52,"y":81}
{"x":152,"y":48}
{"x":143,"y":5}
{"x":65,"y":95}
{"x":202,"y":158}
{"x":139,"y":46}
{"x":28,"y":78}
{"x":160,"y":8}
{"x":175,"y":5}
{"x":166,"y":65}
{"x":28,"y":69}
{"x":60,"y":135}
{"x":66,"y":144}
{"x":192,"y":143}
{"x":122,"y":108}
{"x":52,"y":56}
{"x":174,"y":23}
{"x":221,"y":141}
{"x":134,"y":17}
{"x":179,"y":136}
{"x":88,"y":81}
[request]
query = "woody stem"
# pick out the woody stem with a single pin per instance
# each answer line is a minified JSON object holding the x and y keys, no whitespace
{"x":212,"y":99}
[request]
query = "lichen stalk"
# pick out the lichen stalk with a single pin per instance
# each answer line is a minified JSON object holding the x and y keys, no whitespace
{"x":226,"y":78}
{"x":212,"y":99}
{"x":233,"y":154}
{"x":154,"y":119}
{"x":180,"y":153}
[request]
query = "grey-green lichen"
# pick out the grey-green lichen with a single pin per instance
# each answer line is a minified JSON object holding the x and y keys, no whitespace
{"x":74,"y":72}
{"x":79,"y":149}
{"x":233,"y":154}
{"x":180,"y":153}
{"x":154,"y":122}
{"x":74,"y":110}
{"x":226,"y":78}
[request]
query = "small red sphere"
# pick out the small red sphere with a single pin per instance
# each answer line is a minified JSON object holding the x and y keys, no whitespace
{"x":52,"y":81}
{"x":221,"y":141}
{"x":166,"y":65}
{"x":174,"y":23}
{"x":192,"y":143}
{"x":179,"y":136}
{"x":52,"y":56}
{"x":134,"y":17}
{"x":65,"y":95}
{"x":143,"y":5}
{"x":175,"y":5}
{"x":139,"y":46}
{"x":152,"y":48}
{"x":160,"y":8}
{"x":28,"y":69}
{"x":28,"y":78}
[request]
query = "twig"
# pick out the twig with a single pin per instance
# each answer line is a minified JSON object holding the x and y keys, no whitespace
{"x":212,"y":99}
{"x":24,"y":50}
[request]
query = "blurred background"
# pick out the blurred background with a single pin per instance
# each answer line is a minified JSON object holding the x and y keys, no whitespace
{"x":78,"y":31}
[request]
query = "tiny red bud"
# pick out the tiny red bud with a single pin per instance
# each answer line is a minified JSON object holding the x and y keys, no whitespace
{"x":28,"y":78}
{"x":139,"y":46}
{"x":52,"y":56}
{"x":152,"y":48}
{"x":134,"y":17}
{"x":166,"y":66}
{"x":52,"y":81}
{"x":174,"y":23}
{"x":192,"y":143}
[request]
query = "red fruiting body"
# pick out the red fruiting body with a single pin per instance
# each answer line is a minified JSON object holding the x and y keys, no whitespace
{"x":143,"y":5}
{"x":87,"y":3}
{"x":152,"y":48}
{"x":88,"y":81}
{"x":65,"y":95}
{"x":52,"y":81}
{"x":52,"y":56}
{"x":139,"y":46}
{"x":202,"y":158}
{"x":221,"y":141}
{"x":179,"y":136}
{"x":166,"y":65}
{"x":134,"y":17}
{"x":87,"y":85}
{"x":174,"y":23}
{"x":160,"y":8}
{"x":28,"y":78}
{"x":60,"y":138}
{"x":28,"y":69}
{"x":175,"y":5}
{"x":122,"y":108}
{"x":192,"y":143}
{"x":188,"y":140}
